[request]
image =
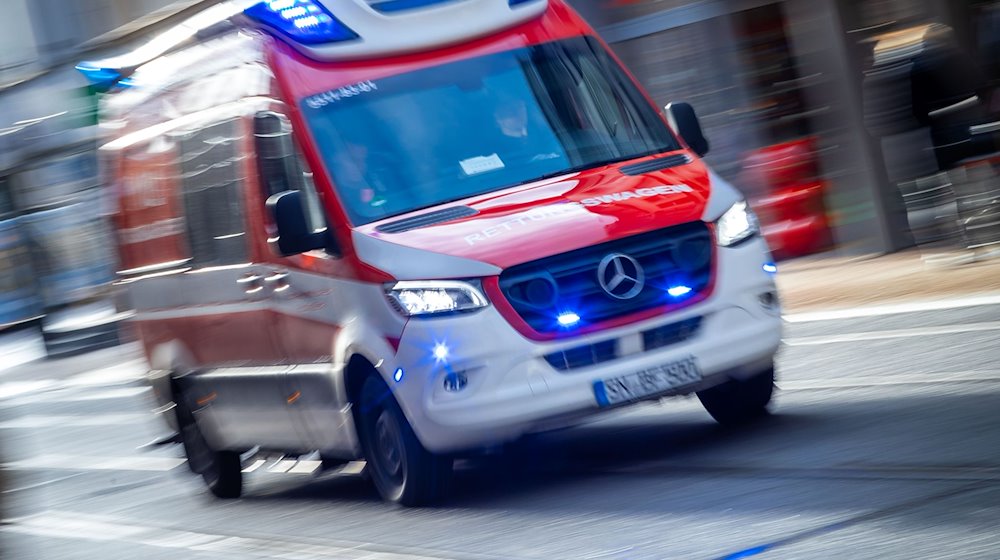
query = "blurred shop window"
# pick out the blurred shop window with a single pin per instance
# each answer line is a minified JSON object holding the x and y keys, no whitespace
{"x":738,"y":71}
{"x":692,"y":64}
{"x":6,"y":201}
{"x":933,"y":110}
{"x":56,"y":181}
{"x":212,"y":183}
{"x":18,"y":298}
{"x":617,"y":11}
{"x":770,"y":75}
{"x":986,"y":24}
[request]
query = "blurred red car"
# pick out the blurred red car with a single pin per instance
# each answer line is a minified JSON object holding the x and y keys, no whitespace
{"x":792,"y":211}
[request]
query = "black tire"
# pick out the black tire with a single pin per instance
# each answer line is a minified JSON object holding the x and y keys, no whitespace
{"x":403,"y":471}
{"x":222,"y":471}
{"x":739,"y":401}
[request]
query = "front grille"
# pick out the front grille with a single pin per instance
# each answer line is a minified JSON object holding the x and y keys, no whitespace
{"x":673,"y":333}
{"x":539,"y":291}
{"x":583,"y":356}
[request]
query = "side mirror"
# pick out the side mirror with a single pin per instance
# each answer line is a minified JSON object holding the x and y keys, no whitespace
{"x":684,"y":121}
{"x":282,"y":177}
{"x":279,"y":171}
{"x":294,"y":235}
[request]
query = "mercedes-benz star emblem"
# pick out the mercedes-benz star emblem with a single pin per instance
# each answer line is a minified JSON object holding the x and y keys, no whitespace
{"x":621,"y":276}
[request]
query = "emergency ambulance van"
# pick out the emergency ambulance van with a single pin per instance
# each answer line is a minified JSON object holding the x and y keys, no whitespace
{"x":402,"y":230}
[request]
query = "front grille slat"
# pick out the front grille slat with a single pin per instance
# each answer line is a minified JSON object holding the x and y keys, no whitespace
{"x":673,"y":333}
{"x":575,"y":276}
{"x":583,"y":356}
{"x":607,"y":350}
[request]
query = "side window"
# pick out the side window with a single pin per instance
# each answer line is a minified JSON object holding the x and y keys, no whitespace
{"x":282,"y":166}
{"x":211,"y":186}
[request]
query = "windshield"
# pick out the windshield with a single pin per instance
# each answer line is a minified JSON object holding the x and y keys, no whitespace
{"x":445,"y":133}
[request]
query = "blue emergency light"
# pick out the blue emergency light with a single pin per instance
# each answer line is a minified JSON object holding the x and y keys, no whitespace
{"x":303,"y":21}
{"x":568,"y":319}
{"x":679,"y":291}
{"x":101,"y":79}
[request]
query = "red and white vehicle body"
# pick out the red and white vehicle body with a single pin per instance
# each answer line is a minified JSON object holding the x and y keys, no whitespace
{"x":498,"y":229}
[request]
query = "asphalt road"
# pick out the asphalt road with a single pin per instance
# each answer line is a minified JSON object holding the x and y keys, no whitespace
{"x":884,"y":443}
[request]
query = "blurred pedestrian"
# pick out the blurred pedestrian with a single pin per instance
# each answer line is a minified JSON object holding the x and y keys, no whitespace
{"x":923,"y":96}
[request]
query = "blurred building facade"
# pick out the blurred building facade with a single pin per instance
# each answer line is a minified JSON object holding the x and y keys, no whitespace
{"x":780,"y":87}
{"x":56,"y":254}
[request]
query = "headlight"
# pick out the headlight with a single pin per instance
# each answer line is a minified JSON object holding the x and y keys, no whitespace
{"x":735,"y":225}
{"x":431,"y":297}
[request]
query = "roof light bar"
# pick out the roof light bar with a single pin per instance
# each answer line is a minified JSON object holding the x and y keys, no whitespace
{"x":330,"y":30}
{"x":304,"y":21}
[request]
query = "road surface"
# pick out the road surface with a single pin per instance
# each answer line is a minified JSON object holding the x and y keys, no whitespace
{"x":884,"y":443}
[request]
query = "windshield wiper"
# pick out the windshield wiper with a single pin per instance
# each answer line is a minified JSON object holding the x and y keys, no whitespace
{"x":583,"y":167}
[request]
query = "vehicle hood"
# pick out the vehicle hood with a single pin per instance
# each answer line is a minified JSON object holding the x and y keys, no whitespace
{"x":556,"y":215}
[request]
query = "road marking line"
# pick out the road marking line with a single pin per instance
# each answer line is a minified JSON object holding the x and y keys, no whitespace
{"x":893,"y":309}
{"x":282,"y":466}
{"x":120,"y":393}
{"x":890,"y":334}
{"x":17,"y":388}
{"x":354,"y":467}
{"x":20,"y":348}
{"x":254,"y":466}
{"x":31,"y":421}
{"x":85,"y":463}
{"x":932,"y":378}
{"x":67,"y":396}
{"x":305,"y":467}
{"x":40,"y":484}
{"x":117,"y":374}
{"x":78,"y":526}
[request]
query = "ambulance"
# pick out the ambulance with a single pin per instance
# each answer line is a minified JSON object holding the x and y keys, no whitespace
{"x":405,"y":231}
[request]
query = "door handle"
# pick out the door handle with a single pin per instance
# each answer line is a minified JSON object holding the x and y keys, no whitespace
{"x":279,"y":278}
{"x":250,"y":282}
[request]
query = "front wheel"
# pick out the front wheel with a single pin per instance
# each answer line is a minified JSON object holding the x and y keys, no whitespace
{"x":402,"y":470}
{"x":222,"y":471}
{"x":739,"y":401}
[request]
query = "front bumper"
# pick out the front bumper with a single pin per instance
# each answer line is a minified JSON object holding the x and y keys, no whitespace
{"x":510,"y":389}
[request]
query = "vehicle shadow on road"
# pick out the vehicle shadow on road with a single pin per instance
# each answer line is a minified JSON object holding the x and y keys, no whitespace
{"x":565,"y":458}
{"x":572,"y":456}
{"x":812,"y":442}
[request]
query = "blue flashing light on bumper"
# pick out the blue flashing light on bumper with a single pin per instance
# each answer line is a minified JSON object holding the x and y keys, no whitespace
{"x":440,"y":352}
{"x":567,"y":319}
{"x":770,"y":268}
{"x":303,"y":21}
{"x":398,"y":375}
{"x":678,"y":291}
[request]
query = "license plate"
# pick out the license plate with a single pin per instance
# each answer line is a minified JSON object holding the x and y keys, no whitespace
{"x":652,"y":381}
